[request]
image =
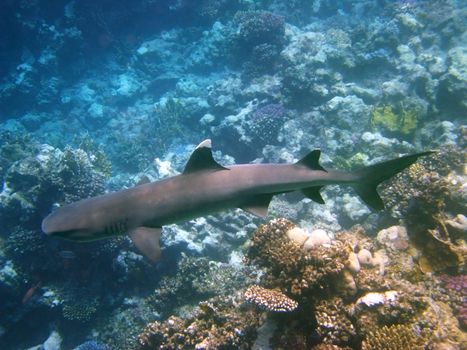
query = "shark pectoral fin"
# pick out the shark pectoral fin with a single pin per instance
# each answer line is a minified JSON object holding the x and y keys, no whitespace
{"x":258,"y":205}
{"x":202,"y":159}
{"x":146,"y":239}
{"x":313,"y":194}
{"x":311,"y":160}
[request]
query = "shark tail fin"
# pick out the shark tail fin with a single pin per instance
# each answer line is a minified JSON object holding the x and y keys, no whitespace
{"x":370,"y":177}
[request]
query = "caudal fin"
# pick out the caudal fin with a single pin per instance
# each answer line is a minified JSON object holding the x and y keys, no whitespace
{"x":373,"y":175}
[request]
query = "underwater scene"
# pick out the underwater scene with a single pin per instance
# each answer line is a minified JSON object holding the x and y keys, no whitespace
{"x":233,"y":174}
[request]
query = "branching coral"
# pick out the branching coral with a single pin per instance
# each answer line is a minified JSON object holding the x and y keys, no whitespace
{"x":290,"y":267}
{"x":334,"y":323}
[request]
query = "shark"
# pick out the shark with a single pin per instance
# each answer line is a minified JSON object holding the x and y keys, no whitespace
{"x":206,"y":187}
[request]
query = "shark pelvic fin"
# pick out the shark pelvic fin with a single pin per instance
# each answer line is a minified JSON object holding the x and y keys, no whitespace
{"x":258,"y":205}
{"x":202,"y":159}
{"x":313,"y":194}
{"x":146,"y":239}
{"x":311,"y":160}
{"x":143,"y":181}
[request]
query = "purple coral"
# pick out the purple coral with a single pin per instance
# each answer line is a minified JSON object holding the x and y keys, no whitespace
{"x":457,"y":288}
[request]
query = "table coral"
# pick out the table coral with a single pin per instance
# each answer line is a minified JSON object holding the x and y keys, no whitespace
{"x":269,"y":299}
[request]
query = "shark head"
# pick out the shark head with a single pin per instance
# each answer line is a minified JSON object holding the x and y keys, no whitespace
{"x":64,"y":225}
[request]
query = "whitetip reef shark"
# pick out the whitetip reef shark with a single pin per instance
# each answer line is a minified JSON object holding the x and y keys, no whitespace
{"x":206,"y":187}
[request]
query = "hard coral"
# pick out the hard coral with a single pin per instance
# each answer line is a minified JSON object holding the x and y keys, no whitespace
{"x":288,"y":266}
{"x":258,"y":27}
{"x":269,"y":299}
{"x":265,"y":123}
{"x":456,"y":289}
{"x":218,"y":324}
{"x":384,"y":118}
{"x":423,"y":190}
{"x":334,"y":323}
{"x":394,"y":337}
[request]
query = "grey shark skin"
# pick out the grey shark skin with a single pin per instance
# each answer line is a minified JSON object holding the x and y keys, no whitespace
{"x":206,"y":187}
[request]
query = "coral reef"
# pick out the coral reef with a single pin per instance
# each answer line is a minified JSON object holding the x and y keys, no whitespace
{"x":86,"y":85}
{"x":395,"y":337}
{"x":216,"y":324}
{"x":456,"y":289}
{"x":290,"y":267}
{"x":34,"y":183}
{"x":196,"y":278}
{"x":263,"y":126}
{"x":335,"y":325}
{"x":383,"y":118}
{"x":369,"y":300}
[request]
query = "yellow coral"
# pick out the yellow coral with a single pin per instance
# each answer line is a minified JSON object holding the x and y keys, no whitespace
{"x":403,"y":121}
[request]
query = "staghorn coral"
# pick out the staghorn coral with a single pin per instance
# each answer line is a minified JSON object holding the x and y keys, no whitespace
{"x":269,"y":299}
{"x":394,"y":337}
{"x":219,"y":323}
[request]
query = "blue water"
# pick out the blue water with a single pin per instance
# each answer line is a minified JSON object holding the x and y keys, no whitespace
{"x":96,"y":95}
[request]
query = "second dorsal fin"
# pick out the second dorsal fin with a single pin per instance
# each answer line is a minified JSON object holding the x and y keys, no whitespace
{"x":201,"y":159}
{"x":311,"y":160}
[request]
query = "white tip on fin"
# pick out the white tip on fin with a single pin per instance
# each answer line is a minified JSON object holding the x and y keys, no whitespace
{"x":206,"y":143}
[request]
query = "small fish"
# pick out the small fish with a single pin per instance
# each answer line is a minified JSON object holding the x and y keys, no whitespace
{"x":30,"y":292}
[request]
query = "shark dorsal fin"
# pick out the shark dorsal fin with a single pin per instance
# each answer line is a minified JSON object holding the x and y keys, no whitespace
{"x":201,"y":159}
{"x":311,"y":160}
